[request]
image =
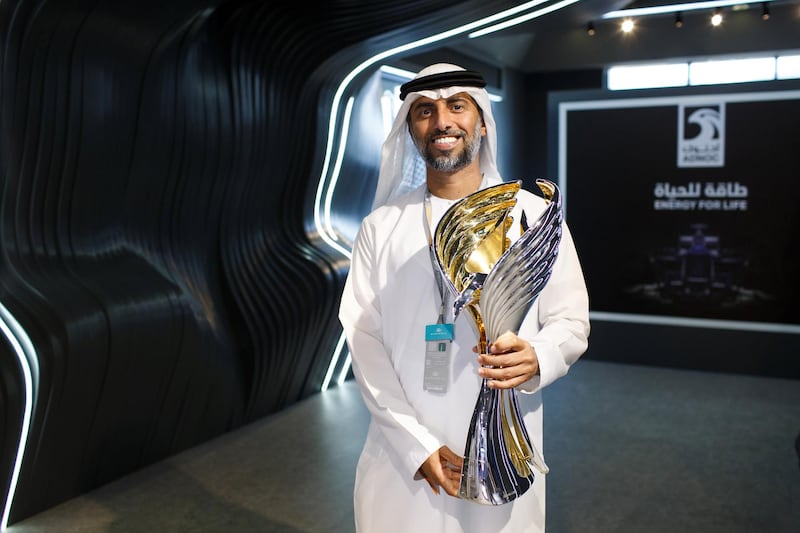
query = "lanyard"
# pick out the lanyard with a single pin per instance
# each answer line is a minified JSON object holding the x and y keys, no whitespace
{"x":427,"y":214}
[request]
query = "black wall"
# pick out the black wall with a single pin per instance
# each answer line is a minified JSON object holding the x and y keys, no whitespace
{"x":157,"y":160}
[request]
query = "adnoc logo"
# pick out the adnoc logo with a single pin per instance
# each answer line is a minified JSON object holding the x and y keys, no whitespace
{"x":701,"y":135}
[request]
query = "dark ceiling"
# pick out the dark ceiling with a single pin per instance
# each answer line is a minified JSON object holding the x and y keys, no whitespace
{"x":559,"y":40}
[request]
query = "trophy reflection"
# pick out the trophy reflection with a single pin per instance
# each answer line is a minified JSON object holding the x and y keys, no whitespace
{"x":496,"y":282}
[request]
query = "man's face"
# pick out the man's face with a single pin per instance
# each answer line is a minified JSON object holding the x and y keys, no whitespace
{"x":447,"y":132}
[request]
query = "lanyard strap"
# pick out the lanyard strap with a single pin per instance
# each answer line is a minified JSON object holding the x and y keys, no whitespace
{"x":427,"y":214}
{"x":427,"y":217}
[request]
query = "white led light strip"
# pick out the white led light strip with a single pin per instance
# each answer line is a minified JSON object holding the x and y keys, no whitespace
{"x":708,"y":323}
{"x":326,"y":185}
{"x":29,"y":364}
{"x":335,"y":175}
{"x":523,"y":18}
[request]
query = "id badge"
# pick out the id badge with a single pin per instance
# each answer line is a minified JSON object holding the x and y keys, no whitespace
{"x":438,"y":344}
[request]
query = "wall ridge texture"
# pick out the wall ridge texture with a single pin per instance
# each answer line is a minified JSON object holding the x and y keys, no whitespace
{"x":156,"y":161}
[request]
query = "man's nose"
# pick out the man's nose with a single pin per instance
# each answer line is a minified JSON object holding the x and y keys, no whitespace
{"x":444,"y":121}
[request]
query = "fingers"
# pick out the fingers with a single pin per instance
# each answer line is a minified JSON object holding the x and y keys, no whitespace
{"x":511,"y":362}
{"x":451,"y":487}
{"x":442,"y":470}
{"x":433,"y":486}
{"x":508,"y":377}
{"x":507,"y":342}
{"x":453,"y":460}
{"x":451,"y":481}
{"x":426,"y":471}
{"x":451,"y":470}
{"x":506,"y":383}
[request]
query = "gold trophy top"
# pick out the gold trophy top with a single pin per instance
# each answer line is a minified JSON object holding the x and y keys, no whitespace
{"x":471,"y":236}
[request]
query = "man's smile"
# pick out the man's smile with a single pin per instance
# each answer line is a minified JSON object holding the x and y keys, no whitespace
{"x":445,"y":143}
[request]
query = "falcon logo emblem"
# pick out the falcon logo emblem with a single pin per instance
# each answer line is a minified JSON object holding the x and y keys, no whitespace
{"x":701,"y":135}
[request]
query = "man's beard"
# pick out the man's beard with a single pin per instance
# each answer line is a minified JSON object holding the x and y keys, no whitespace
{"x":451,"y":162}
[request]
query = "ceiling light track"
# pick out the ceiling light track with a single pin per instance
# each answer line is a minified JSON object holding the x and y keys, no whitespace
{"x":672,"y":8}
{"x":630,"y":15}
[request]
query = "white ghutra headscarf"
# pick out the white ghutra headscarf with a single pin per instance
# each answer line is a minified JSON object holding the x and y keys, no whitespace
{"x":401,"y":163}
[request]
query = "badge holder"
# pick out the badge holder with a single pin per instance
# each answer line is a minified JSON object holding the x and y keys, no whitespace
{"x":438,"y":345}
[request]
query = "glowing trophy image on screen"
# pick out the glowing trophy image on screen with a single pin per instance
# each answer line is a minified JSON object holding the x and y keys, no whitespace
{"x":497,"y":283}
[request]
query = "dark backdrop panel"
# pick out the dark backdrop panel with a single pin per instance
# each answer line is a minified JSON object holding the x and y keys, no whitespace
{"x":685,"y":213}
{"x":157,"y":161}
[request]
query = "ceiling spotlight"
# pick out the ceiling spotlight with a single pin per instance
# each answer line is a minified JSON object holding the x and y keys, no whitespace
{"x":678,"y":20}
{"x":716,"y":18}
{"x":764,"y":11}
{"x":627,"y":25}
{"x":590,"y":28}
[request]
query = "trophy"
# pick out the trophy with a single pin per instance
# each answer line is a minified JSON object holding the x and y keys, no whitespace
{"x":497,"y":283}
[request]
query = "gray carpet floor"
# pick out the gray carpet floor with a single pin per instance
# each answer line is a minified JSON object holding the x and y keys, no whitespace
{"x":631,"y":449}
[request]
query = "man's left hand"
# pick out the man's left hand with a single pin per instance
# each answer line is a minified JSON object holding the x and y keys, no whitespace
{"x":510,"y":362}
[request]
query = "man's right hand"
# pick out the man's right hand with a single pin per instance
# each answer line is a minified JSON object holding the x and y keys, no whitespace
{"x":443,"y":469}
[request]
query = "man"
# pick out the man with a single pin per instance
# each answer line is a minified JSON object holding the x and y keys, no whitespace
{"x":409,"y":471}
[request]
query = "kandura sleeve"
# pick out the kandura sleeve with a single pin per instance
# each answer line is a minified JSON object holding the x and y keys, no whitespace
{"x":559,"y":332}
{"x":360,"y":315}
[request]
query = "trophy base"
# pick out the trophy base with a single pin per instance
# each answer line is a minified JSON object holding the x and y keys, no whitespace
{"x":484,"y":490}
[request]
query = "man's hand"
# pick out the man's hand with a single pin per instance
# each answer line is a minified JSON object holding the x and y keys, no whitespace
{"x":443,"y":469}
{"x":510,"y":362}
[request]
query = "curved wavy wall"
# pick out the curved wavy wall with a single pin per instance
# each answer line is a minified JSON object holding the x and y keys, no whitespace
{"x":158,"y":161}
